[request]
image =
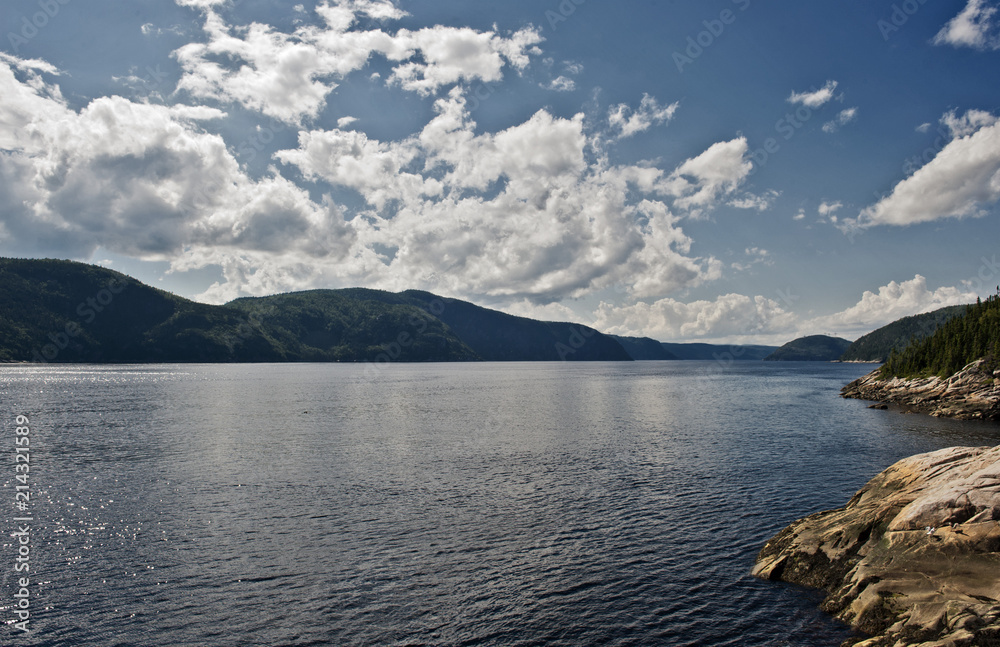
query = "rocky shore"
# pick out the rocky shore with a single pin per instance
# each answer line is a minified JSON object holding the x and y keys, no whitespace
{"x":971,"y":394}
{"x":914,"y":557}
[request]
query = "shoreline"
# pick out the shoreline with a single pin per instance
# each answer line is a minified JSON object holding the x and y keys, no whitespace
{"x":911,"y":560}
{"x":971,"y":394}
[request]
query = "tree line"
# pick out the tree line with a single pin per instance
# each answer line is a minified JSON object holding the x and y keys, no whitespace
{"x":955,"y":344}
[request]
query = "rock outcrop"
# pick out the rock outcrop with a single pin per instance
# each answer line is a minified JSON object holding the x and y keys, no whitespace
{"x":912,"y":559}
{"x":971,"y":394}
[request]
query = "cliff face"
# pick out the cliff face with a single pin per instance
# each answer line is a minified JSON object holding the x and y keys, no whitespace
{"x":913,"y":558}
{"x":972,"y":393}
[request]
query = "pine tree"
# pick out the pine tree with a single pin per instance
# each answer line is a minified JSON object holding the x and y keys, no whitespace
{"x":954,"y":345}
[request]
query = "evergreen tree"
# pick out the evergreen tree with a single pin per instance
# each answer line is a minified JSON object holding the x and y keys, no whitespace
{"x":954,"y":345}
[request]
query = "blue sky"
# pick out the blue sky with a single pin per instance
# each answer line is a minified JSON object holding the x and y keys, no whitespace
{"x":723,"y":170}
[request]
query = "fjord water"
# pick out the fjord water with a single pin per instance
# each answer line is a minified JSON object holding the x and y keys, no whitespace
{"x":438,"y":504}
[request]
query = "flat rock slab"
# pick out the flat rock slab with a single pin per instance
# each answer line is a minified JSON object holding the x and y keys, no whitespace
{"x":913,"y":558}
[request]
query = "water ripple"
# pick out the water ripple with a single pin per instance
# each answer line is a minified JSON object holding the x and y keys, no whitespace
{"x":440,"y":504}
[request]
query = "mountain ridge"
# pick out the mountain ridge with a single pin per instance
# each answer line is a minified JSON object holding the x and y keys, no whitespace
{"x":65,"y":311}
{"x":878,"y":344}
{"x":812,"y":348}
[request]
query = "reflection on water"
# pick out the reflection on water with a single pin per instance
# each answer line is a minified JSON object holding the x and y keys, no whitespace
{"x":444,"y":504}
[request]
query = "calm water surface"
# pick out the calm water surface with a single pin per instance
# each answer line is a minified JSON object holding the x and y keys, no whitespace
{"x":449,"y":504}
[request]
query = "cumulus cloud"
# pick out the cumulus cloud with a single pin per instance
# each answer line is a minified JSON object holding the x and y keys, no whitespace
{"x":700,"y":181}
{"x":843,"y":118}
{"x":627,"y":122}
{"x":891,"y":302}
{"x":142,"y":180}
{"x":730,"y":317}
{"x":963,"y":180}
{"x":967,"y":124}
{"x":449,"y":55}
{"x":976,"y":26}
{"x":288,"y":76}
{"x":521,"y":213}
{"x":525,"y":213}
{"x":737,"y":318}
{"x":815,"y":98}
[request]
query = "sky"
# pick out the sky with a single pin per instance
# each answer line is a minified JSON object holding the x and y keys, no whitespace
{"x":728,"y":171}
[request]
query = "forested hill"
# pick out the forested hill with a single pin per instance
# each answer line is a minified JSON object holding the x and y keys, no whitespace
{"x":488,"y":334}
{"x":960,"y":341}
{"x":644,"y":348}
{"x":815,"y":348}
{"x":62,"y":311}
{"x":876,"y":346}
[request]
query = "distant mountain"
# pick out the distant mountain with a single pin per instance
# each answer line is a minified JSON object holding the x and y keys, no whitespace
{"x":71,"y":312}
{"x":62,"y":311}
{"x":717,"y":352}
{"x":351,"y":326}
{"x":815,"y":348}
{"x":876,"y":346}
{"x":644,"y":348}
{"x":418,"y":317}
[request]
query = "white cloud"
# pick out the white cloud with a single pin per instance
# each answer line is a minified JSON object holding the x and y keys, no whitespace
{"x":976,"y":26}
{"x":754,"y":256}
{"x":699,"y":182}
{"x":801,"y":215}
{"x":350,"y":159}
{"x":31,"y":66}
{"x":344,"y":122}
{"x":963,"y":180}
{"x":967,"y":124}
{"x":520,"y":213}
{"x":141,"y":180}
{"x":755,"y":202}
{"x":829,"y":208}
{"x":650,"y":113}
{"x":843,"y":118}
{"x":450,"y":55}
{"x":530,"y":212}
{"x":201,"y":4}
{"x":815,"y":98}
{"x":730,"y":317}
{"x":561,"y":84}
{"x":924,"y":127}
{"x":736,"y":318}
{"x":892,"y":302}
{"x":289,"y":76}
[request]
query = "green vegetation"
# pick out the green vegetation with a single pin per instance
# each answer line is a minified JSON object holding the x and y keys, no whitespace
{"x":61,"y":311}
{"x":876,"y":346}
{"x":72,"y":312}
{"x":352,"y":326}
{"x":954,"y":345}
{"x":815,"y":348}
